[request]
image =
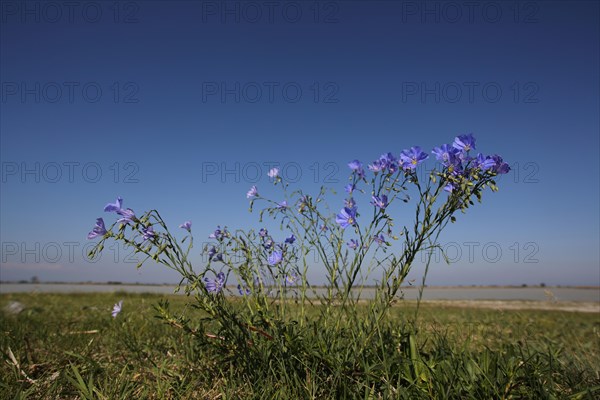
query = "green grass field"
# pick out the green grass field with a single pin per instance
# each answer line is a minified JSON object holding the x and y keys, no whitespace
{"x":67,"y":346}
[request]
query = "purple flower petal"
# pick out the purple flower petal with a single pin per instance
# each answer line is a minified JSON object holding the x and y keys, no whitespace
{"x":464,"y":143}
{"x":353,"y":244}
{"x":380,"y":201}
{"x":116,"y":206}
{"x":275,"y":257}
{"x":117,"y":309}
{"x":128,"y":216}
{"x":215,"y":285}
{"x":99,"y":229}
{"x":148,"y":233}
{"x":187,"y":225}
{"x":290,"y":239}
{"x":253,"y":192}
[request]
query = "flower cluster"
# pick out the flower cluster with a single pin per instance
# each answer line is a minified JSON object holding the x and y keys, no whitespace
{"x":219,"y":234}
{"x":274,"y":254}
{"x":127,"y":217}
{"x":214,"y":255}
{"x":387,"y":162}
{"x":458,"y":166}
{"x":276,"y":250}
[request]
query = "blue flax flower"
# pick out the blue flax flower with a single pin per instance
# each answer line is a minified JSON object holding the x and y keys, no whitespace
{"x":357,"y":168}
{"x":99,"y":229}
{"x":219,"y":234}
{"x":268,"y":244}
{"x":253,"y":192}
{"x":380,"y":201}
{"x":484,"y":163}
{"x":116,"y":206}
{"x":346,"y":217}
{"x":449,"y":187}
{"x":292,"y":278}
{"x":127,"y":216}
{"x":117,"y":309}
{"x":379,"y":239}
{"x":376,"y":166}
{"x":291,"y":239}
{"x":187,"y":225}
{"x":215,"y":285}
{"x":501,"y":167}
{"x":211,"y":252}
{"x":413,"y":157}
{"x":464,"y":143}
{"x":355,"y":165}
{"x":275,"y":257}
{"x":302,"y":203}
{"x":148,"y":233}
{"x":244,"y":291}
{"x":389,"y":162}
{"x":446,"y":154}
{"x":353,"y":244}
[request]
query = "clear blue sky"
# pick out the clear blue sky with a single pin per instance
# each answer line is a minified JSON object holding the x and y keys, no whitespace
{"x":153,"y":100}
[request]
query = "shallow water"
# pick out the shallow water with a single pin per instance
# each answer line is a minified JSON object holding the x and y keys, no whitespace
{"x":430,"y":293}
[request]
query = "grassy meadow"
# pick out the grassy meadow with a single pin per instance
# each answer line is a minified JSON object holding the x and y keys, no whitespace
{"x":67,"y":346}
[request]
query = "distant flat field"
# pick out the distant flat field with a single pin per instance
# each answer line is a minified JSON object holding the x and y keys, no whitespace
{"x":565,"y":298}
